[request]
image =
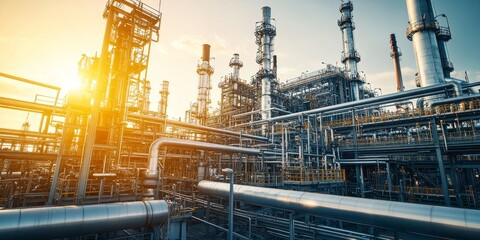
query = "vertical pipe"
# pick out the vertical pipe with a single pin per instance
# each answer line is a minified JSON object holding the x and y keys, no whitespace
{"x":292,"y":227}
{"x":389,"y":179}
{"x":230,"y":207}
{"x":441,"y":167}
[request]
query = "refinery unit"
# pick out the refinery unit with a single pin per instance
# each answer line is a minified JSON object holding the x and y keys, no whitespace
{"x":318,"y":156}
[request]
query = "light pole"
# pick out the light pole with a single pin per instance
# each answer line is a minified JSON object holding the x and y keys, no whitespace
{"x":229,"y":171}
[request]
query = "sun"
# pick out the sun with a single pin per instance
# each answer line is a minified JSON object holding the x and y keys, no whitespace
{"x":70,"y":84}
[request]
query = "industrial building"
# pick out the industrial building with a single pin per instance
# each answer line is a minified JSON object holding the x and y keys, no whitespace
{"x":318,"y":156}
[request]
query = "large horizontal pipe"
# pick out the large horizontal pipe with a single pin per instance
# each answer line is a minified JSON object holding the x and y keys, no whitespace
{"x":197,"y":127}
{"x":60,"y":222}
{"x":29,"y":106}
{"x":29,"y":81}
{"x":437,"y":221}
{"x":420,"y":92}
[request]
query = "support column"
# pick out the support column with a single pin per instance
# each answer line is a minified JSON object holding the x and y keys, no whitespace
{"x":441,"y":167}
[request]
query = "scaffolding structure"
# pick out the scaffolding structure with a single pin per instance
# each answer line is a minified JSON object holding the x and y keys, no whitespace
{"x":324,"y":131}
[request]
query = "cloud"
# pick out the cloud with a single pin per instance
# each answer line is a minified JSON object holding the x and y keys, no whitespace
{"x":161,"y":48}
{"x":386,"y":80}
{"x":220,"y":46}
{"x":476,"y":77}
{"x":190,"y":44}
{"x":13,"y":39}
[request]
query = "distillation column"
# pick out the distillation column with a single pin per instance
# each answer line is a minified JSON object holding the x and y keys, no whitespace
{"x":235,"y":64}
{"x":350,"y":56}
{"x":395,"y":54}
{"x":422,"y":31}
{"x":204,"y":70}
{"x":265,"y":33}
{"x":162,"y":104}
{"x":443,"y":36}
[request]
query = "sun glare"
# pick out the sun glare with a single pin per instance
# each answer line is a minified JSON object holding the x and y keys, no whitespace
{"x":70,"y":84}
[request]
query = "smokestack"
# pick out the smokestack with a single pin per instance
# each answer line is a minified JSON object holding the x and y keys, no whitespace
{"x":422,"y":32}
{"x":204,"y":71}
{"x":206,"y":53}
{"x":395,"y":54}
{"x":236,"y":64}
{"x":265,"y":32}
{"x":163,"y":103}
{"x":350,"y":56}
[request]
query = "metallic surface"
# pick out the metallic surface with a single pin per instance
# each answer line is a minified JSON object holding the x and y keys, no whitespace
{"x":196,"y":127}
{"x":59,"y":222}
{"x":163,"y":103}
{"x":236,"y":64}
{"x":350,"y":57}
{"x":422,"y":30}
{"x":204,"y":70}
{"x":388,"y":98}
{"x":266,"y":32}
{"x":423,"y":219}
{"x":153,"y":172}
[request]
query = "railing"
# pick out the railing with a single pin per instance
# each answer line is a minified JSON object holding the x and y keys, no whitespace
{"x":310,"y":175}
{"x":409,"y":114}
{"x":415,"y":190}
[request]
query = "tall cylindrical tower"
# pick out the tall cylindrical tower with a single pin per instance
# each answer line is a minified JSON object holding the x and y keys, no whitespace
{"x":204,"y":70}
{"x":265,"y":32}
{"x":162,"y":104}
{"x":350,"y":56}
{"x":395,"y":54}
{"x":422,"y":31}
{"x":235,"y":64}
{"x":443,"y":36}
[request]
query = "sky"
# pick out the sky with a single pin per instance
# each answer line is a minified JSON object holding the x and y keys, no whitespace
{"x":44,"y":40}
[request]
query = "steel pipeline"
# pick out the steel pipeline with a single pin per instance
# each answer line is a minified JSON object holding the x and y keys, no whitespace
{"x":439,"y":221}
{"x":60,"y":222}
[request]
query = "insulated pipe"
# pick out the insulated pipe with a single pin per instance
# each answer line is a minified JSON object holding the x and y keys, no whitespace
{"x":196,"y":127}
{"x":419,"y":92}
{"x":152,"y":173}
{"x":66,"y":221}
{"x":438,"y":221}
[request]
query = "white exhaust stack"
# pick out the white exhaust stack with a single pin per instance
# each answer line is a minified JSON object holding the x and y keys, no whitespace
{"x":265,"y":32}
{"x":350,"y":56}
{"x":422,"y":31}
{"x":204,"y":70}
